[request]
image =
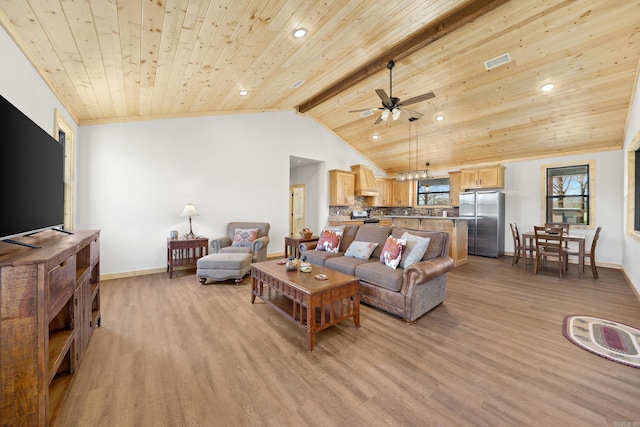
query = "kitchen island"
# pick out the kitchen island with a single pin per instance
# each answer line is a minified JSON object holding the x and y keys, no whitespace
{"x":455,"y":226}
{"x":349,"y":221}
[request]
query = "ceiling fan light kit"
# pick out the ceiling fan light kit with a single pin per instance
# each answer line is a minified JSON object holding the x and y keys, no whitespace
{"x":394,"y":106}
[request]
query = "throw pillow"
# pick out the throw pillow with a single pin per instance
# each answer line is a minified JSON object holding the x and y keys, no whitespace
{"x":329,"y":241}
{"x":392,"y":252}
{"x":244,"y":237}
{"x":415,"y":250}
{"x":361,"y":250}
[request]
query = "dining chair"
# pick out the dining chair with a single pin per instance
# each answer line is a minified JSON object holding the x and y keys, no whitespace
{"x":549,"y":244}
{"x":591,"y":254}
{"x":520,"y":248}
{"x":564,"y":225}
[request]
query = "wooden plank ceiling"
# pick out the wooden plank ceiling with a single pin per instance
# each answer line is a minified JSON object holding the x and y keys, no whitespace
{"x":125,"y":60}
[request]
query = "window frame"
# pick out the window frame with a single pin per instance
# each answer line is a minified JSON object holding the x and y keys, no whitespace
{"x":419,"y":193}
{"x":60,"y":124}
{"x":591,"y":191}
{"x":633,"y":188}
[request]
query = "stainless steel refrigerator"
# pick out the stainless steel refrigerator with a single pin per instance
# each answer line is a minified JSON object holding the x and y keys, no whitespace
{"x":486,"y":224}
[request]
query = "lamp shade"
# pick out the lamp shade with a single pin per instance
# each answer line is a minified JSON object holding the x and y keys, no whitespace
{"x":189,"y":210}
{"x":395,"y":114}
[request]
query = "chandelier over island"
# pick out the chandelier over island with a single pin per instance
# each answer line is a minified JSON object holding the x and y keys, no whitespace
{"x":415,"y":174}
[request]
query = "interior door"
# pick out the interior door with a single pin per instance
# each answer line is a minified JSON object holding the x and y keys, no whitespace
{"x":296,"y":210}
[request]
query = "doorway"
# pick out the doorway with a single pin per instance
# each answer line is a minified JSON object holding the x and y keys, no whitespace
{"x":296,"y":209}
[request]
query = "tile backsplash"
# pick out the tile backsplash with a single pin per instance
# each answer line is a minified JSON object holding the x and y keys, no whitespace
{"x":361,"y":204}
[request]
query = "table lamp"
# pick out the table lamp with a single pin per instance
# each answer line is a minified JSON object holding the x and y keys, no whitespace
{"x":189,"y":210}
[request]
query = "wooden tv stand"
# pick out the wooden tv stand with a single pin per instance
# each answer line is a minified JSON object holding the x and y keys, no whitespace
{"x":50,"y":305}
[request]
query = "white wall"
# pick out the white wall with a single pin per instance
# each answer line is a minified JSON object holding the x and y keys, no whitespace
{"x":134,"y":179}
{"x":523,"y":200}
{"x":21,"y":85}
{"x":631,"y":252}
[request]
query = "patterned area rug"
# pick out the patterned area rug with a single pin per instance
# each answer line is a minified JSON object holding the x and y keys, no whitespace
{"x":611,"y":340}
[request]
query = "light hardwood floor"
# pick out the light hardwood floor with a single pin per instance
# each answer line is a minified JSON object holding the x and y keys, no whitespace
{"x":177,"y":353}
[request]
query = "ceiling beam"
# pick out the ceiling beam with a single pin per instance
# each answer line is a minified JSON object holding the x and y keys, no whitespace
{"x":423,"y":38}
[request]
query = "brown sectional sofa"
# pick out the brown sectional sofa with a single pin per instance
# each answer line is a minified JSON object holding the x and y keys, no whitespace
{"x":408,"y":293}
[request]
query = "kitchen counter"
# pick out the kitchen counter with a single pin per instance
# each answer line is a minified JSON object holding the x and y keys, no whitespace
{"x":349,"y":221}
{"x":463,"y":218}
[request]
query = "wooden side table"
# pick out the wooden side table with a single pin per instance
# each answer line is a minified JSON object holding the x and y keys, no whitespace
{"x":185,"y":251}
{"x":292,"y":243}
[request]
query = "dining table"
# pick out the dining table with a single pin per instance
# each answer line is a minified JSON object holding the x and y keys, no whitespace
{"x":530,"y":236}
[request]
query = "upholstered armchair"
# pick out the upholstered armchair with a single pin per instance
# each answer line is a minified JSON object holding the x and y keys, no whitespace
{"x":244,"y":237}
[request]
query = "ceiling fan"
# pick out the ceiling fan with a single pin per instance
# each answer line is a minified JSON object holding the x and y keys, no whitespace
{"x":394,"y":106}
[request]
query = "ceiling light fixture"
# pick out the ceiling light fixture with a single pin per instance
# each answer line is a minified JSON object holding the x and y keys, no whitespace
{"x":299,"y":32}
{"x":375,"y":137}
{"x":243,"y":92}
{"x":547,"y":87}
{"x":439,"y":117}
{"x":414,"y":175}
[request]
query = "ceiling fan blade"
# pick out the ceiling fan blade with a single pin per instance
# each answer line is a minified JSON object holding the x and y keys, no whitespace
{"x":412,"y":113}
{"x":378,"y":120}
{"x":418,"y":98}
{"x":383,"y":96}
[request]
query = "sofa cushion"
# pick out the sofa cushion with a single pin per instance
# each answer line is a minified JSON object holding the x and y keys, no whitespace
{"x":415,"y":250}
{"x":361,"y":250}
{"x":320,"y":257}
{"x":244,"y":237}
{"x":329,"y":241}
{"x":379,"y":274}
{"x":374,"y":233}
{"x":436,"y":244}
{"x":346,"y":264}
{"x":392,"y":252}
{"x":348,"y":236}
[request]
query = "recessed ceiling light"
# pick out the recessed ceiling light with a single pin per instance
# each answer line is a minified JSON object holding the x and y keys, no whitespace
{"x":439,"y":118}
{"x":243,"y":92}
{"x":547,"y":87}
{"x":375,"y":137}
{"x":299,"y":32}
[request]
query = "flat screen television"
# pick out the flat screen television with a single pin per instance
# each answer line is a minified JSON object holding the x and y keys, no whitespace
{"x":31,"y":176}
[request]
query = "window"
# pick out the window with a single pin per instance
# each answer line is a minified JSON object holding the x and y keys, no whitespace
{"x":636,"y":181}
{"x":433,"y":192}
{"x":567,"y":199}
{"x":63,"y":132}
{"x":632,"y":194}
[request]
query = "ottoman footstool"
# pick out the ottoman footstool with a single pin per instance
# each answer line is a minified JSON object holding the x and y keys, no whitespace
{"x":223,"y":266}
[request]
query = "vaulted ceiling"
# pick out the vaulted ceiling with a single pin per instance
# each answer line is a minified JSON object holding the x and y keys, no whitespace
{"x":126,"y":60}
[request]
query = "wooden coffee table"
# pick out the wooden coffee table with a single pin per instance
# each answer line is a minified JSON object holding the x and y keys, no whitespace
{"x":310,"y":303}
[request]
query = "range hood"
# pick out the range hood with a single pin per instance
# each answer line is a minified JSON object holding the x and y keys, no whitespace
{"x":365,"y":181}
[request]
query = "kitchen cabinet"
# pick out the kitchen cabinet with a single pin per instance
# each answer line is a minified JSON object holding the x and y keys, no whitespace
{"x":402,"y":193}
{"x":455,"y":186}
{"x":341,"y":188}
{"x":385,"y":192}
{"x":489,"y":177}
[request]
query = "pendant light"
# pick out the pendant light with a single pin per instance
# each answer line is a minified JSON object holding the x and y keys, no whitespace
{"x":415,"y":174}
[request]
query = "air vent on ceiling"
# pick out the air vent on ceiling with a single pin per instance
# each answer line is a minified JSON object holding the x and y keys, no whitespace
{"x":496,"y":62}
{"x":366,"y":113}
{"x":297,"y":84}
